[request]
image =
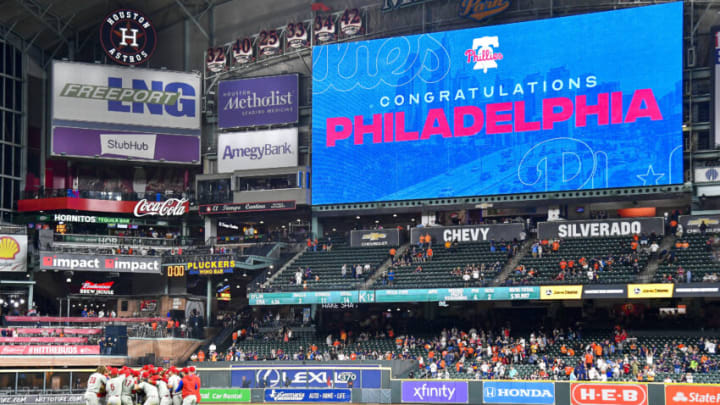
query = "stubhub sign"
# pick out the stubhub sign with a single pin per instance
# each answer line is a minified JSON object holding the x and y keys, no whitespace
{"x":574,"y":103}
{"x":530,"y":393}
{"x":117,"y":112}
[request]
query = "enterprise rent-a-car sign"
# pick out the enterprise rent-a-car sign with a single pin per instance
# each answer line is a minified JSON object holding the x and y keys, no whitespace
{"x":573,"y":103}
{"x":113,"y":112}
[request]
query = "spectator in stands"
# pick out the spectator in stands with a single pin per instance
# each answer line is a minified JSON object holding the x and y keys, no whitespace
{"x":703,"y":227}
{"x":343,"y":270}
{"x":84,"y":312}
{"x":391,"y":276}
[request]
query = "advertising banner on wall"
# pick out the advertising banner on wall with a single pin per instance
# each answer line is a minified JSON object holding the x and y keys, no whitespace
{"x":257,"y":150}
{"x":707,"y":175}
{"x":48,"y":350}
{"x":692,"y":223}
{"x":601,"y":228}
{"x":307,"y":395}
{"x":468,"y":233}
{"x":225,"y":395}
{"x":117,"y":144}
{"x":234,"y":208}
{"x":379,"y":237}
{"x":42,"y":399}
{"x":99,"y":263}
{"x":435,"y":392}
{"x":488,"y":112}
{"x":682,"y":394}
{"x":525,"y":393}
{"x":258,"y":101}
{"x":13,"y":253}
{"x":650,"y":290}
{"x":301,"y":376}
{"x":608,"y":394}
{"x":103,"y":111}
{"x":561,"y":292}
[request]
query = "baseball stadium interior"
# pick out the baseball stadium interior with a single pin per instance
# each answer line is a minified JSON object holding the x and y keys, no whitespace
{"x":360,"y":201}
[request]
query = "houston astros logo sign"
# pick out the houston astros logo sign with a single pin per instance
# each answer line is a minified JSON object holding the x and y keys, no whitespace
{"x":128,"y":37}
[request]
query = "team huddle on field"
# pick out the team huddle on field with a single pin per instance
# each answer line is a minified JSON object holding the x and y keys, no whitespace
{"x":147,"y":386}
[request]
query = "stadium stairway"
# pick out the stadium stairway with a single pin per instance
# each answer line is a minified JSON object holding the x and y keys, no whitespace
{"x":384,"y":267}
{"x":647,"y":275}
{"x":512,"y":263}
{"x":282,"y":269}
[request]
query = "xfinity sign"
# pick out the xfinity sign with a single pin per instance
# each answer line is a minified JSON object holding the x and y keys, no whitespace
{"x":530,"y":393}
{"x":435,"y":392}
{"x":257,"y":150}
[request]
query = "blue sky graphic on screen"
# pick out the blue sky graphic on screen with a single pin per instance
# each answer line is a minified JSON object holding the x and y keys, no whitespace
{"x":583,"y":102}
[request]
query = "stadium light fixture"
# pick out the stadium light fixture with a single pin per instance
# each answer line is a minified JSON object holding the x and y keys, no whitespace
{"x":68,"y":280}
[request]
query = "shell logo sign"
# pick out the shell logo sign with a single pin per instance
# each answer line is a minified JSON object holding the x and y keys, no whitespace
{"x":13,"y":252}
{"x":9,"y":248}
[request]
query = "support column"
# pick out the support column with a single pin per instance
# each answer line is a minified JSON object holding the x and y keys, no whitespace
{"x":210,"y":230}
{"x":208,"y":301}
{"x":31,"y":289}
{"x":317,"y":228}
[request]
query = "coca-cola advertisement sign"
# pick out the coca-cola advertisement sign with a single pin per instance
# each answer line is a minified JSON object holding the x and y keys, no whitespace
{"x":168,"y":208}
{"x":89,"y":287}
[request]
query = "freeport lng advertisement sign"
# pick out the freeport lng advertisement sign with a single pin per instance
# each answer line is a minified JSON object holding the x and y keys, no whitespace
{"x":574,"y":103}
{"x":112,"y":112}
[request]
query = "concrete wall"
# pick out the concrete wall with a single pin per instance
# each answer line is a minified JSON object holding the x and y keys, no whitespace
{"x":173,"y":350}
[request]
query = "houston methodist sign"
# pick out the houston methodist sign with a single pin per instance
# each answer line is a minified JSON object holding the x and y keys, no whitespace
{"x":528,"y":107}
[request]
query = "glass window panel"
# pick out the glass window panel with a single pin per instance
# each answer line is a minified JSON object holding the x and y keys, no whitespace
{"x":18,"y":63}
{"x":8,"y":59}
{"x":7,"y":195}
{"x":30,"y":382}
{"x":17,"y":161}
{"x":7,"y":160}
{"x":7,"y":383}
{"x":9,"y":93}
{"x":17,"y":133}
{"x":8,"y":126}
{"x":18,"y":95}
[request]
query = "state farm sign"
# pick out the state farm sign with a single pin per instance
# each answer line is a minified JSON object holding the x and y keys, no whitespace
{"x":167,"y":208}
{"x":608,"y":394}
{"x":692,"y":394}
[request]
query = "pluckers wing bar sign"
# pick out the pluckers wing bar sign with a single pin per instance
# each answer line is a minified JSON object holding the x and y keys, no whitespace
{"x":128,"y":37}
{"x":168,"y":208}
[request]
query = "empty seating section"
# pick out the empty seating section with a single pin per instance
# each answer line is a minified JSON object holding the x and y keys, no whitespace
{"x":697,"y":258}
{"x":616,"y":250}
{"x":326,"y":268}
{"x":438,"y":272}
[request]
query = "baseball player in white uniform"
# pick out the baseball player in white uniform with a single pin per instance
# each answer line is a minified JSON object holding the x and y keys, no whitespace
{"x":114,"y":387}
{"x":96,"y":386}
{"x":150,"y":390}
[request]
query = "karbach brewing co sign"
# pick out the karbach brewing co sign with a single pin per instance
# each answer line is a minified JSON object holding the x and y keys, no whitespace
{"x":168,"y":208}
{"x":128,"y":37}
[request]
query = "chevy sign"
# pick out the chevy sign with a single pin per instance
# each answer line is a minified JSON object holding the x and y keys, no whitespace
{"x":527,"y":393}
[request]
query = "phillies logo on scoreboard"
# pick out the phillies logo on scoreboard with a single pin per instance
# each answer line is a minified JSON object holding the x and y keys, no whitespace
{"x":128,"y":37}
{"x":608,"y":394}
{"x":483,"y":53}
{"x":167,"y":208}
